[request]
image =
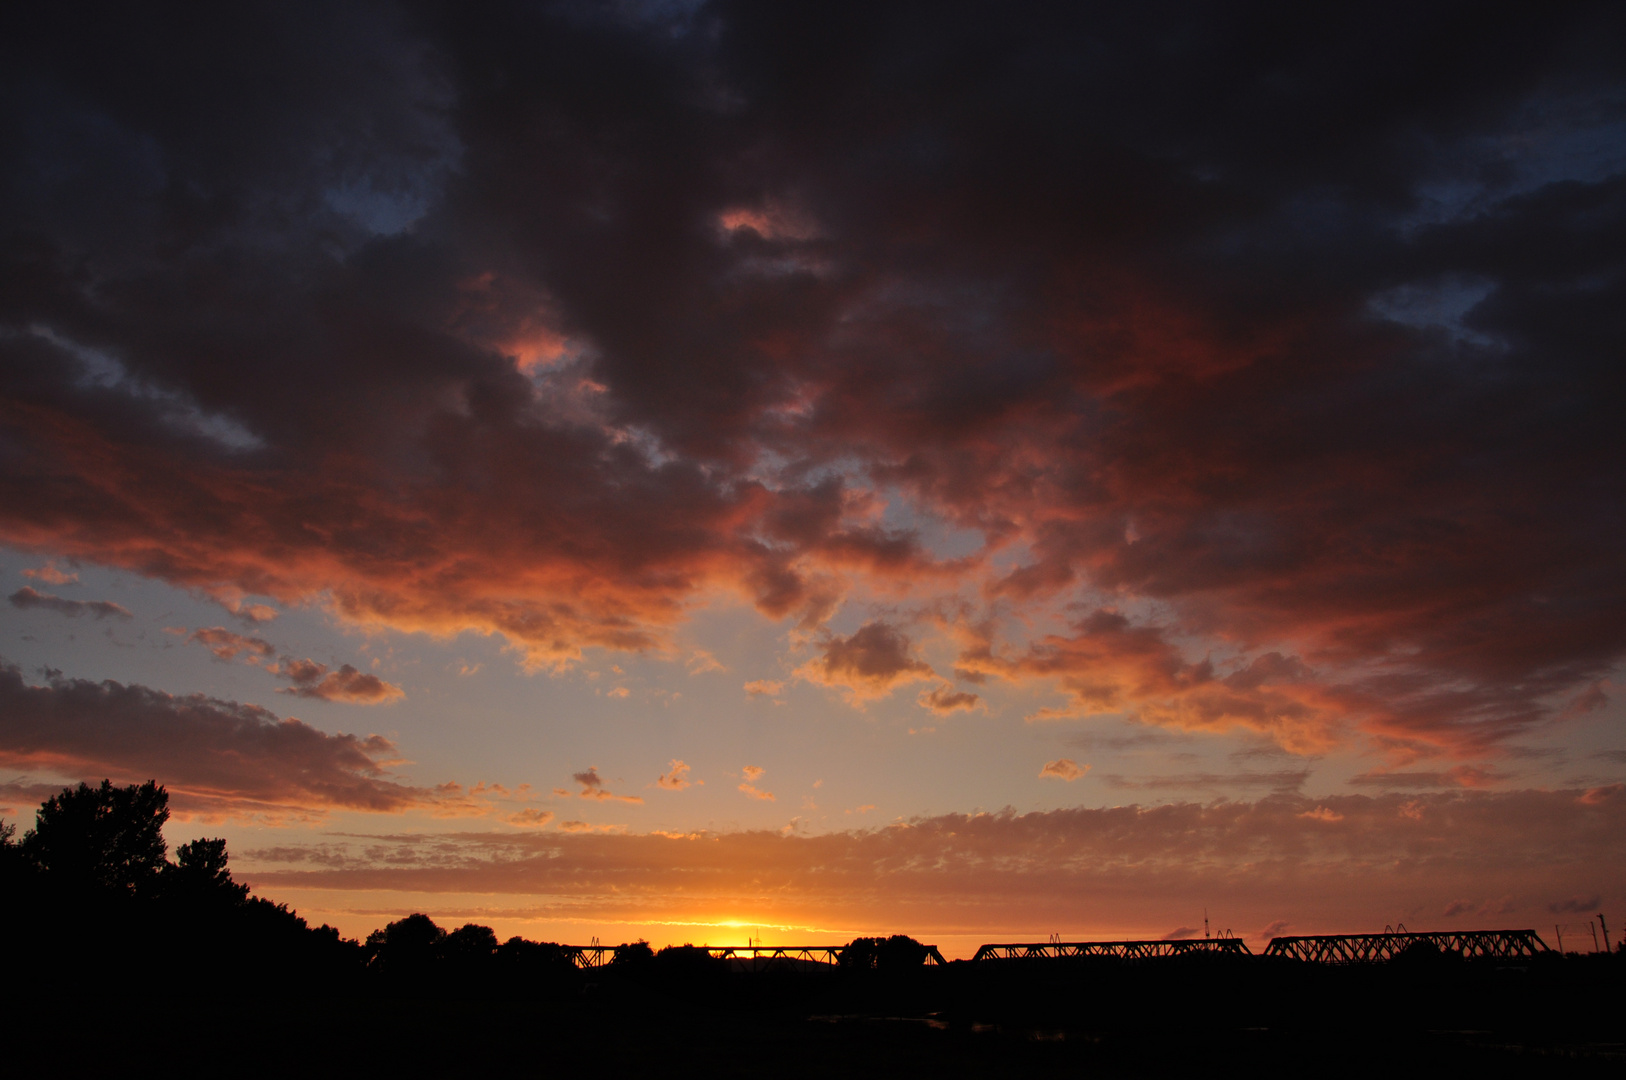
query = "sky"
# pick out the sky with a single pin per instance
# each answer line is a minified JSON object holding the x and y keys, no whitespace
{"x":704,"y":470}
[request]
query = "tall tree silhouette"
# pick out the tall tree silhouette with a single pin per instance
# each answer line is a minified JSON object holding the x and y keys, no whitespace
{"x":106,"y":839}
{"x":199,"y":874}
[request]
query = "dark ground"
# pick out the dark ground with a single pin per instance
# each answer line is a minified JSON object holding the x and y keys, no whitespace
{"x":1162,"y":1018}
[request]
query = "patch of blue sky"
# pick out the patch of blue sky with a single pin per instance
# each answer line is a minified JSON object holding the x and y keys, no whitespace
{"x":1549,"y":140}
{"x":940,"y":537}
{"x":381,"y":211}
{"x":174,"y":408}
{"x":1444,"y":302}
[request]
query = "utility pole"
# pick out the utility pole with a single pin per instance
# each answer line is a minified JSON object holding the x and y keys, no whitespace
{"x":1560,"y":932}
{"x":1605,"y":926}
{"x":1592,"y":926}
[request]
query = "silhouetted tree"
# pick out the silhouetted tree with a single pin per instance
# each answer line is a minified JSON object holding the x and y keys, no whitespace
{"x":896,"y":953}
{"x":408,"y":944}
{"x":199,"y":875}
{"x":633,"y":956}
{"x":534,"y":958}
{"x":17,"y":871}
{"x":470,"y":941}
{"x":107,"y":838}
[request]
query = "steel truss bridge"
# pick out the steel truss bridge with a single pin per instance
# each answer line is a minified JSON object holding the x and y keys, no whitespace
{"x":751,"y":958}
{"x":1122,"y":950}
{"x":1320,"y":949}
{"x":1377,"y":948}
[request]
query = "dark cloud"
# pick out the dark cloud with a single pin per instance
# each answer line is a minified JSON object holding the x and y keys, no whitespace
{"x":543,"y":320}
{"x":216,"y":757}
{"x":945,"y":699}
{"x":593,"y":788}
{"x":1576,"y":905}
{"x":310,"y":679}
{"x":313,"y":680}
{"x":1459,"y":776}
{"x":26,"y":598}
{"x":868,"y":663}
{"x":1280,"y":780}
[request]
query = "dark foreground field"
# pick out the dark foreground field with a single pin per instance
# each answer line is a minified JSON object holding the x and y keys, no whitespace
{"x":1562,"y":1017}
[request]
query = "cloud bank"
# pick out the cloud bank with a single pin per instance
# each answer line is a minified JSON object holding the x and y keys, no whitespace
{"x":1331,"y":864}
{"x":218,"y":758}
{"x":1302,"y":334}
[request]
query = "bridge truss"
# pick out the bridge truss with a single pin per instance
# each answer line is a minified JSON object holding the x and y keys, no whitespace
{"x":1122,"y":950}
{"x":1378,"y":948}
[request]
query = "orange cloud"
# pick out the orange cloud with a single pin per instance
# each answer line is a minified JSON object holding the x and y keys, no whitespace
{"x":51,"y":575}
{"x":228,"y":645}
{"x":676,"y":778}
{"x":1109,"y":665}
{"x":751,"y":774}
{"x":1064,"y":769}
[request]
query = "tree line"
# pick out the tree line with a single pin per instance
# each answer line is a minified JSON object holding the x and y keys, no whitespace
{"x":92,"y":886}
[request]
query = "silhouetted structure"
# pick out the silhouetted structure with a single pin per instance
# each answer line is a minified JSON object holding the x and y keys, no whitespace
{"x":1379,"y":948}
{"x":1122,"y":950}
{"x":860,"y":953}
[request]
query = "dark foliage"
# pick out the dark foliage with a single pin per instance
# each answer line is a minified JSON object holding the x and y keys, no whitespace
{"x":199,"y":875}
{"x":103,"y":839}
{"x":894,"y":954}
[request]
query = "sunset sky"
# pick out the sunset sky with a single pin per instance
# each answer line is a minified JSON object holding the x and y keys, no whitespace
{"x":695,"y":470}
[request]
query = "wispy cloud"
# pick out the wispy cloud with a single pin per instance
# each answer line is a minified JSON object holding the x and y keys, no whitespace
{"x":27,"y":598}
{"x":752,"y":773}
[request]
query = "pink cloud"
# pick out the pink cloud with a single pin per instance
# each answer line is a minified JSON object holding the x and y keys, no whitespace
{"x":1064,"y":769}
